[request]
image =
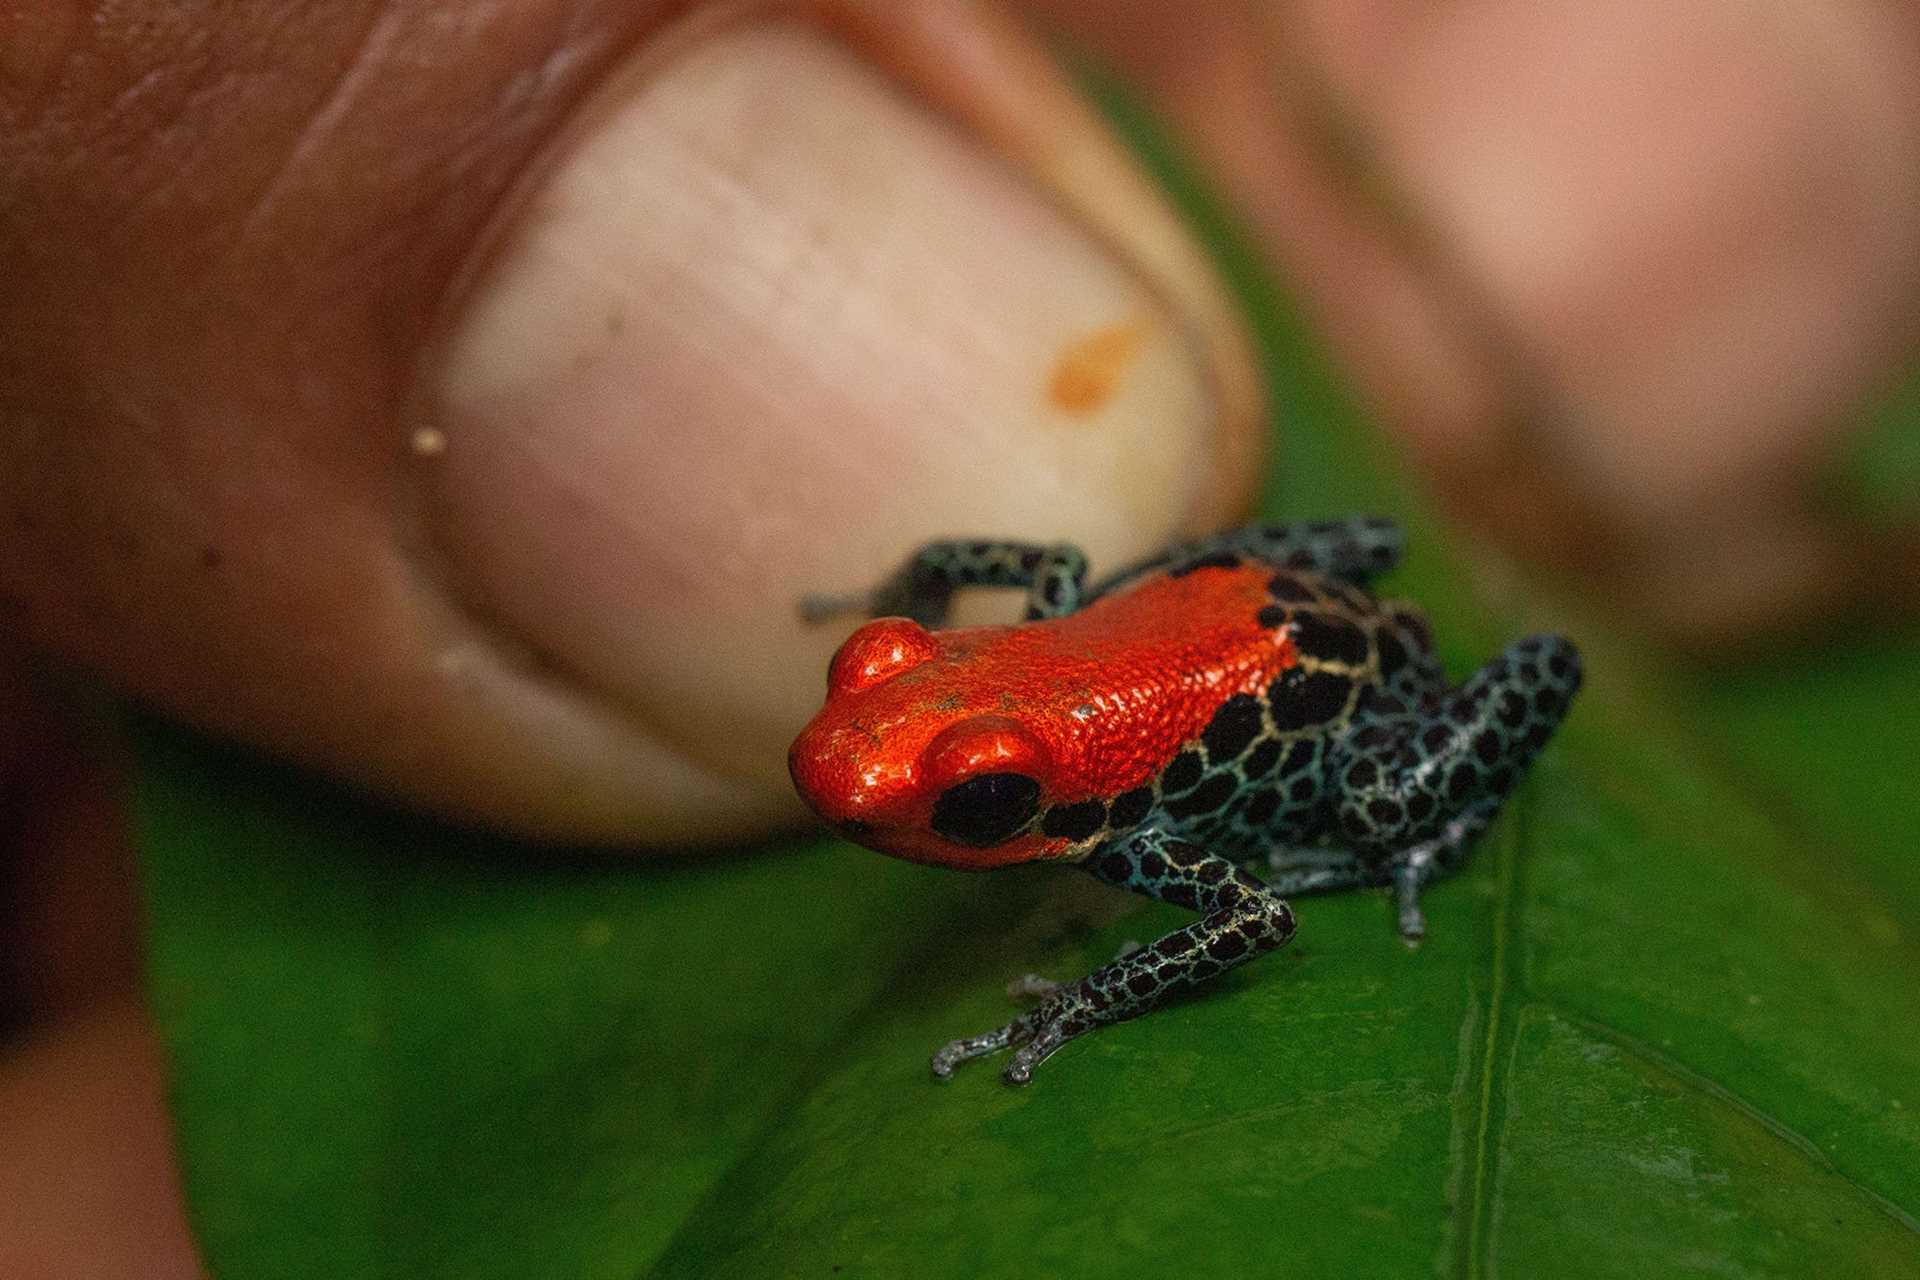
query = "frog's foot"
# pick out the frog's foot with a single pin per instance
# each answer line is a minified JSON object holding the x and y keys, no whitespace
{"x":1406,"y":898}
{"x":922,"y":589}
{"x":1302,"y":871}
{"x":1242,"y":919}
{"x":1063,"y":1016}
{"x":1415,"y":868}
{"x":1038,"y":1032}
{"x":1297,"y":871}
{"x":955,"y":1052}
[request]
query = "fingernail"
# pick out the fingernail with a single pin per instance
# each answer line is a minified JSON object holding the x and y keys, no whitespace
{"x":766,"y":322}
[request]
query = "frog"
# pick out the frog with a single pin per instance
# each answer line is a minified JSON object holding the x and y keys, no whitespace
{"x":1239,"y":702}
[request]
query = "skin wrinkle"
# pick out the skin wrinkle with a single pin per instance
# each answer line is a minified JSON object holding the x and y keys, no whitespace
{"x":565,"y":69}
{"x":362,"y":64}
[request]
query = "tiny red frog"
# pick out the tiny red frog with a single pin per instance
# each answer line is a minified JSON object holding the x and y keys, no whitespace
{"x":1237,"y":699}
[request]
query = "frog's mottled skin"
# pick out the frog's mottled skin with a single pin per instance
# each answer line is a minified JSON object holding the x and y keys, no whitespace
{"x":1241,"y":698}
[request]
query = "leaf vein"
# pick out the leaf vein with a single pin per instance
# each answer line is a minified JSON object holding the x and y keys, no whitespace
{"x":1633,"y":1046}
{"x":1491,"y":1112}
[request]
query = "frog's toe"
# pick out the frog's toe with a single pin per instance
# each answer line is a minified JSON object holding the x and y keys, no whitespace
{"x":1035,"y":1051}
{"x":1406,"y":891}
{"x":1058,"y":1022}
{"x":955,"y":1052}
{"x":1032,"y":986}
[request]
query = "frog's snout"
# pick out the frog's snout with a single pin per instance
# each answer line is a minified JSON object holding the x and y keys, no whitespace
{"x":840,"y":776}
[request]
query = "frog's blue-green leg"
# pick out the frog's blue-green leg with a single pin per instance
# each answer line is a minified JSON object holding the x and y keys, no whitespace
{"x":922,"y":589}
{"x":1297,"y":871}
{"x":1351,"y":550}
{"x":1410,"y":674}
{"x":1243,"y":919}
{"x":1300,"y":871}
{"x":1411,"y":791}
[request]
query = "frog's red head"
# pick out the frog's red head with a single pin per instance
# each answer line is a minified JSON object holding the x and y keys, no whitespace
{"x":900,"y":764}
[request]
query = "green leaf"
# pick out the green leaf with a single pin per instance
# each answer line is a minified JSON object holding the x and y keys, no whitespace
{"x":1665,"y":1024}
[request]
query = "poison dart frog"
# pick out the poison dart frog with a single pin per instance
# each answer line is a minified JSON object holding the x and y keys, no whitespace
{"x":1242,"y":698}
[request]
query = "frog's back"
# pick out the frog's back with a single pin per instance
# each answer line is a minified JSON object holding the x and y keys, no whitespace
{"x":1118,"y":687}
{"x":1206,"y":692}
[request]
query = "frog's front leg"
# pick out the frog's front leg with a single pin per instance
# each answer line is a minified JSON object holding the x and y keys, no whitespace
{"x":922,"y":589}
{"x":1243,"y":919}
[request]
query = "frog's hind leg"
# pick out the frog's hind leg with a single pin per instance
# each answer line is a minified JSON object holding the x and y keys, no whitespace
{"x":1297,"y":871}
{"x":1411,"y":678}
{"x":1412,"y":791}
{"x":1353,"y":549}
{"x":922,"y":589}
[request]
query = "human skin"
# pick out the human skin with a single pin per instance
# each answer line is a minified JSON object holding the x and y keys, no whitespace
{"x":454,"y":399}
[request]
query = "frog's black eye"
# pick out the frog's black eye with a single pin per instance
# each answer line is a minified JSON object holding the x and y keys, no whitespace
{"x":985,"y":810}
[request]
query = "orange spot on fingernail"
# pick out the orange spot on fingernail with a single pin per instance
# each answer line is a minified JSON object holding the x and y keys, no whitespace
{"x":1089,"y":369}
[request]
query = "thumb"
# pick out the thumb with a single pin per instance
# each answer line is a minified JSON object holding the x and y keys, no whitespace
{"x":507,"y":380}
